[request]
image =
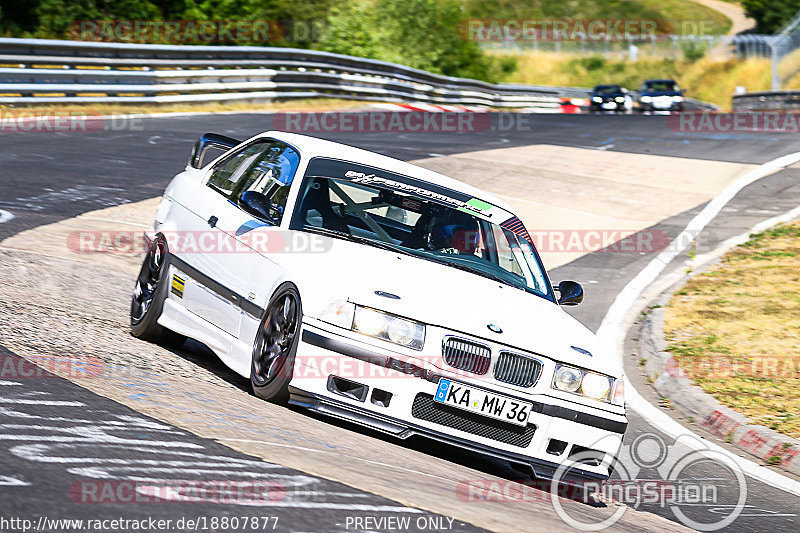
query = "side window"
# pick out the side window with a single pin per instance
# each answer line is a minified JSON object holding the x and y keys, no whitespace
{"x":227,"y":174}
{"x":266,"y":168}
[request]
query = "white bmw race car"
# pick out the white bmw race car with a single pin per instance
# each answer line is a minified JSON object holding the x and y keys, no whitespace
{"x":376,"y":291}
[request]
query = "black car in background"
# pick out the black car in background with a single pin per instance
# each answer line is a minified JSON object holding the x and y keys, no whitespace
{"x":660,"y":95}
{"x":610,"y":98}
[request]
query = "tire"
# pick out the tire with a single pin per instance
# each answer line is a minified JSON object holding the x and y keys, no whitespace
{"x":275,"y":345}
{"x":149,"y":293}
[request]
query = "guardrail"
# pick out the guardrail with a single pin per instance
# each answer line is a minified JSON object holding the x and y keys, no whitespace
{"x":41,"y":71}
{"x":767,"y":101}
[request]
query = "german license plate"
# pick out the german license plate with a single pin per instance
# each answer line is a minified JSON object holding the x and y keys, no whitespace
{"x":609,"y":105}
{"x":483,"y":402}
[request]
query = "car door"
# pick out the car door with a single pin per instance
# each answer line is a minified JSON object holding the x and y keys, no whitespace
{"x":217,"y":267}
{"x":252,"y":215}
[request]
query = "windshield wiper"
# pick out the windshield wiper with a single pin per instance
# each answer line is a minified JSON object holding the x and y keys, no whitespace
{"x":478,"y":271}
{"x":395,"y":248}
{"x":355,"y":238}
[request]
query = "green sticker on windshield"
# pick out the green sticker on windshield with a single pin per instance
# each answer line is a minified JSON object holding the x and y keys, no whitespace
{"x":480,"y":204}
{"x":477,"y":207}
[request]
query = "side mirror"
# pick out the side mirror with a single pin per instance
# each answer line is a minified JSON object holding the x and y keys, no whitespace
{"x":256,"y":204}
{"x":571,"y":293}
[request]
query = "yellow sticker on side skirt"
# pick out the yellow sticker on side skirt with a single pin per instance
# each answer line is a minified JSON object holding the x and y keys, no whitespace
{"x":177,"y":285}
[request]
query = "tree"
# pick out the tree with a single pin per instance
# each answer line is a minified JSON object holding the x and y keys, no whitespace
{"x":770,"y":15}
{"x":423,"y":34}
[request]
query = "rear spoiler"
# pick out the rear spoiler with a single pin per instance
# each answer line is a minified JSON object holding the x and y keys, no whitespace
{"x":210,"y":140}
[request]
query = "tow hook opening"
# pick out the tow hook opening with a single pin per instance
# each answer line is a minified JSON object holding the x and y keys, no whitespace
{"x":347,"y":388}
{"x":556,"y":447}
{"x":381,"y":397}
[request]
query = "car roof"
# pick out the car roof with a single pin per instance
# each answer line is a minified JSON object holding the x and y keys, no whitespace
{"x":660,"y":80}
{"x":323,"y":148}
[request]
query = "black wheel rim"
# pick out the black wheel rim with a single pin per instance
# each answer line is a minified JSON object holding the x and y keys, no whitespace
{"x":275,"y":339}
{"x":147,"y":283}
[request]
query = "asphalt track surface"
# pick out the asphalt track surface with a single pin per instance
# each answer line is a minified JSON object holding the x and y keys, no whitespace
{"x":48,"y":177}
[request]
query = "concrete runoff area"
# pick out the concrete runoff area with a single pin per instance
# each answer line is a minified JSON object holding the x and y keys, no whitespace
{"x":562,"y":192}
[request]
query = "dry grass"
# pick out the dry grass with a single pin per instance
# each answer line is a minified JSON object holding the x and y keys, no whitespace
{"x":321,"y":104}
{"x":789,"y":70}
{"x":707,"y":79}
{"x":735,"y":329}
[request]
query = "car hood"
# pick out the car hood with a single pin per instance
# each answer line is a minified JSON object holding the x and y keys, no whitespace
{"x":447,"y":297}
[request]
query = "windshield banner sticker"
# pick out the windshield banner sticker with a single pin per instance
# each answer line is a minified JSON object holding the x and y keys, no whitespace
{"x":367,"y":175}
{"x":473,"y":206}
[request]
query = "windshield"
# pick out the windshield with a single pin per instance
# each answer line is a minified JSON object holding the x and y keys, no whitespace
{"x":373,"y":206}
{"x":608,"y":89}
{"x":661,"y":86}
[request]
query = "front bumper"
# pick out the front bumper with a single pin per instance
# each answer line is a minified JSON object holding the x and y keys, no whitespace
{"x":356,"y":380}
{"x":607,"y":106}
{"x":661,"y":106}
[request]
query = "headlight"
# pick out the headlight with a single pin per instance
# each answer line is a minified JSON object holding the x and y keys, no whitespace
{"x":567,"y":378}
{"x":619,"y":99}
{"x":595,"y":386}
{"x":647,"y":98}
{"x":677,"y":98}
{"x":596,"y":99}
{"x":389,"y":327}
{"x":585,"y":383}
